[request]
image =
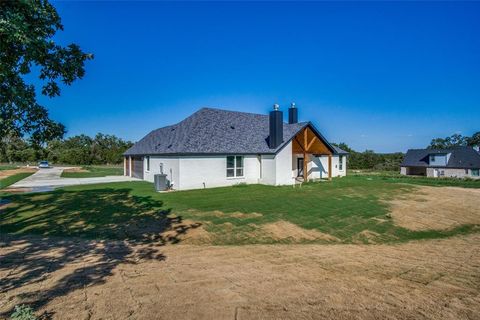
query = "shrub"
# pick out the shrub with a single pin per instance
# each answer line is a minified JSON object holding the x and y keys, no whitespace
{"x":23,"y":312}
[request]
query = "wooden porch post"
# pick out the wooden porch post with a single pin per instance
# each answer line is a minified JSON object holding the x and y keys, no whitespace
{"x":305,"y":172}
{"x":329,"y":167}
{"x":130,"y":167}
{"x":305,"y":165}
{"x":124,"y":166}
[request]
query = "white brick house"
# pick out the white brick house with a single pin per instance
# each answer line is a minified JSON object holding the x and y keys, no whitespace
{"x":214,"y":148}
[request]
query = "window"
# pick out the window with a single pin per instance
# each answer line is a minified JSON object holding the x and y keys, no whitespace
{"x":432,"y":158}
{"x":148,"y":163}
{"x":234,"y":166}
{"x":475,"y":172}
{"x":340,"y":163}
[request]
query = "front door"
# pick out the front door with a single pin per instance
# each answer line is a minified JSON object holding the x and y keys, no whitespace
{"x":300,"y":167}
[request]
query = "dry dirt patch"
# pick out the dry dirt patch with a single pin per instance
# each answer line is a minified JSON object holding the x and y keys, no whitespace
{"x":437,"y":208}
{"x":283,"y":230}
{"x":75,"y":169}
{"x":76,"y":279}
{"x":170,"y":230}
{"x":8,"y":173}
{"x":366,"y":236}
{"x":221,"y":214}
{"x":189,"y":232}
{"x":17,"y":190}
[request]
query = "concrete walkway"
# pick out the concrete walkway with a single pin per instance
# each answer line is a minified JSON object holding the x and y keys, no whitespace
{"x":45,"y":178}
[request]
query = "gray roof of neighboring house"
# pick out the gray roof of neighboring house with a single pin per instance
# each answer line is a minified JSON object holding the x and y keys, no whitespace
{"x":339,"y":150}
{"x":461,"y":157}
{"x":216,"y":131}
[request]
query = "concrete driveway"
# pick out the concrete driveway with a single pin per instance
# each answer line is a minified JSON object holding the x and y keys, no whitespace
{"x":50,"y":178}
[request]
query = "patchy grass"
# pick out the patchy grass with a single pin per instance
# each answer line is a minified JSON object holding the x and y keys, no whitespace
{"x":94,"y":171}
{"x":7,"y":167}
{"x":350,"y":209}
{"x":423,"y":181}
{"x":395,"y":176}
{"x":5,"y":182}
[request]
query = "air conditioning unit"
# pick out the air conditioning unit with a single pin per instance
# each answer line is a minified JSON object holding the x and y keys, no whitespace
{"x":161,"y":182}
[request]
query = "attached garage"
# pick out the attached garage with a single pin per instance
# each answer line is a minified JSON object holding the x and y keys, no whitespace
{"x":416,"y":171}
{"x":137,"y":167}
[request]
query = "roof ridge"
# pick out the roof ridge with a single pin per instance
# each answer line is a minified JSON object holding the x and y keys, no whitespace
{"x":232,"y":111}
{"x":427,"y":149}
{"x":242,"y":112}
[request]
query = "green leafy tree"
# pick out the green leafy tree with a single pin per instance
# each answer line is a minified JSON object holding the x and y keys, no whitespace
{"x":85,"y":150}
{"x":371,"y":160}
{"x":454,"y":140}
{"x":438,"y":143}
{"x":27,"y":28}
{"x":458,"y":140}
{"x":343,"y":146}
{"x":77,"y":150}
{"x":474,"y":140}
{"x":108,"y":149}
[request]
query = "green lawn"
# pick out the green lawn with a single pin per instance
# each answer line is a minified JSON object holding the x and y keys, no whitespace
{"x":5,"y":182}
{"x":344,"y":208}
{"x":95,"y":171}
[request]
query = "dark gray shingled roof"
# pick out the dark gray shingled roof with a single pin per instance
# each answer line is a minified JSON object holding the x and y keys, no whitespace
{"x":461,"y":157}
{"x":216,"y":131}
{"x":339,"y":150}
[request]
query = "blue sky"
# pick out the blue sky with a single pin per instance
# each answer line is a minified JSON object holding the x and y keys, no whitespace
{"x":382,"y":76}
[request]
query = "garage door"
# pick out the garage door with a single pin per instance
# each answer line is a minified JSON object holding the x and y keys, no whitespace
{"x":137,"y":167}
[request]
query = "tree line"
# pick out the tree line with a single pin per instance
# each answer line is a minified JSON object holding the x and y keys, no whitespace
{"x":370,"y":160}
{"x":76,"y":150}
{"x":455,"y":140}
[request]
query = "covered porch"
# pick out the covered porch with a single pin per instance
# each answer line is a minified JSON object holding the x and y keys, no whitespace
{"x":308,"y":149}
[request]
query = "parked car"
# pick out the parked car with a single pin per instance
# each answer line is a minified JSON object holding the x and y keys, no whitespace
{"x":43,"y":164}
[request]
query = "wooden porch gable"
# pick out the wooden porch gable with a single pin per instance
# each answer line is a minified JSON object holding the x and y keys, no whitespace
{"x":307,"y":142}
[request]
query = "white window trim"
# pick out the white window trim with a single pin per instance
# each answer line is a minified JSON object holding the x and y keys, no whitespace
{"x":235,"y":167}
{"x":147,"y":163}
{"x":340,"y":163}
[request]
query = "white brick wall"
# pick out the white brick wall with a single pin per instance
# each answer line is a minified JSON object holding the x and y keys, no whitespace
{"x":450,"y":173}
{"x":196,"y":172}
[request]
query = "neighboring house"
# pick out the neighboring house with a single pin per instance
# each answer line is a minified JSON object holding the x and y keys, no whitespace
{"x":214,"y":147}
{"x":458,"y":162}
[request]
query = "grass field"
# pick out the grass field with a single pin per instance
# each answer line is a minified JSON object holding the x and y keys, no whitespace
{"x":395,"y":177}
{"x":7,"y":167}
{"x":5,"y":182}
{"x":351,"y":209}
{"x":93,"y":171}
